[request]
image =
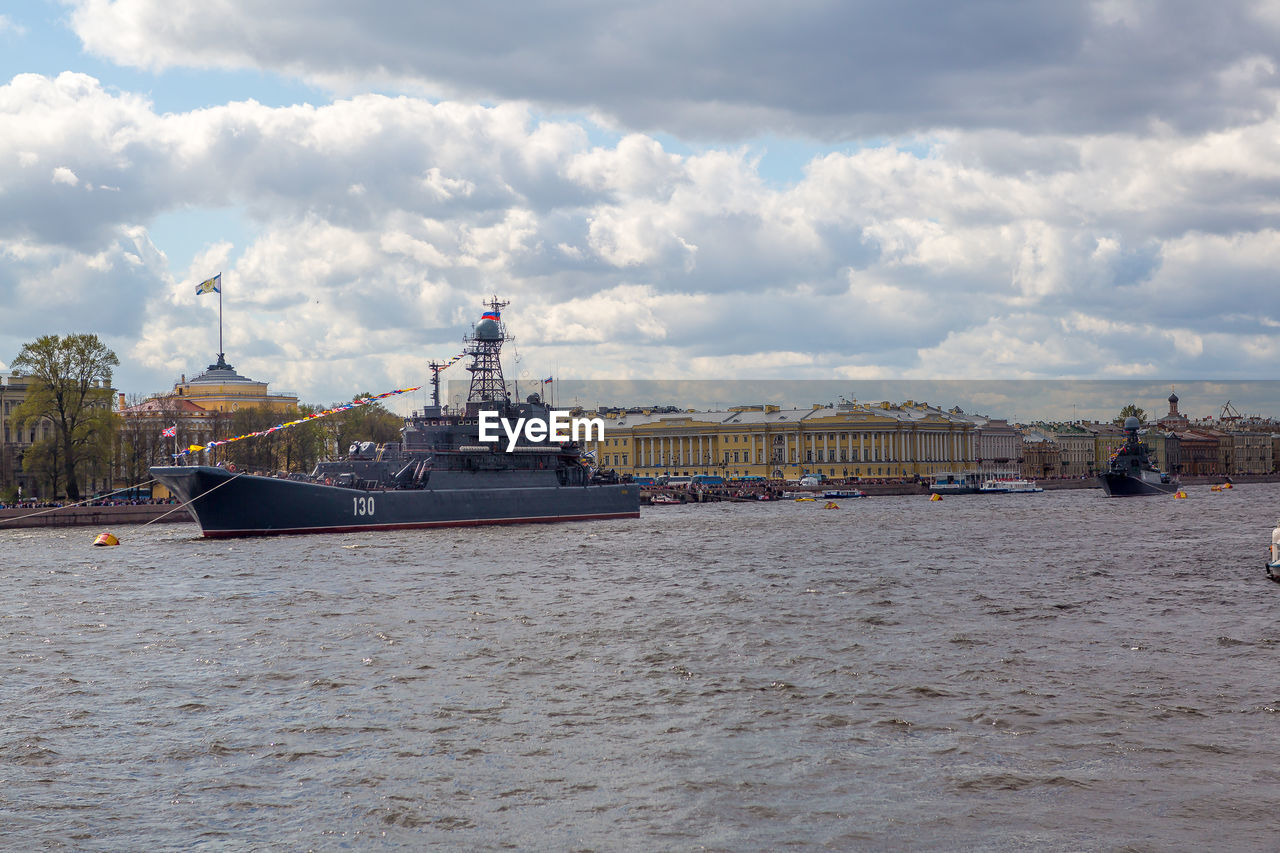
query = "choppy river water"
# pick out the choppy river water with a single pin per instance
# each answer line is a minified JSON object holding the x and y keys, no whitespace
{"x":1055,"y":671}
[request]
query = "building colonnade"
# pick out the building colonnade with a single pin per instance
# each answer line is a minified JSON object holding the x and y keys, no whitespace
{"x":703,"y":449}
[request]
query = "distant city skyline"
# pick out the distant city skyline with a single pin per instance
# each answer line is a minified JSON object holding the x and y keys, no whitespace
{"x":829,"y":190}
{"x":1024,"y":401}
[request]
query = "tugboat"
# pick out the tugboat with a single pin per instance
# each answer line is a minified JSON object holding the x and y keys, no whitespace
{"x":1130,"y":471}
{"x":441,"y":473}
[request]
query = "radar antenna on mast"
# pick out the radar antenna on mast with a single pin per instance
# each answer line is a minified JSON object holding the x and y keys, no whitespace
{"x":485,"y":346}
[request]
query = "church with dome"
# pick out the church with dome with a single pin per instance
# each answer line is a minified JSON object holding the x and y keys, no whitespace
{"x":1175,"y":420}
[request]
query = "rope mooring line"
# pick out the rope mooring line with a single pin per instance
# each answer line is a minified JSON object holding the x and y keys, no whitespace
{"x":185,"y":504}
{"x":74,"y":505}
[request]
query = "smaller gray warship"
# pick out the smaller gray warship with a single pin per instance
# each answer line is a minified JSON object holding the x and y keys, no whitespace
{"x":1130,"y":472}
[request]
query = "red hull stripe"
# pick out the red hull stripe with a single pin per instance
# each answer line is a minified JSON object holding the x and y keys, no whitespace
{"x":417,"y":525}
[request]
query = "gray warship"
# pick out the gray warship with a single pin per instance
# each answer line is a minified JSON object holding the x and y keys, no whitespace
{"x":440,"y":473}
{"x":1130,"y":472}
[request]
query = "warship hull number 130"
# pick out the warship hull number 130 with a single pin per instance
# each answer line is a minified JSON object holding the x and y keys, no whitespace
{"x":439,"y":474}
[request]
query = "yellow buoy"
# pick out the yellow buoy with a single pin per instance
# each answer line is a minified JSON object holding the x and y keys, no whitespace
{"x":1215,"y":488}
{"x":832,"y":505}
{"x":936,"y":497}
{"x":106,"y":539}
{"x":798,"y":500}
{"x":1179,"y":494}
{"x":1226,"y":485}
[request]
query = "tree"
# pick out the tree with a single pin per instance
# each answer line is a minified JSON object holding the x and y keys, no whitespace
{"x":71,"y":387}
{"x":370,"y":422}
{"x":139,"y":440}
{"x":43,"y":459}
{"x":293,"y":449}
{"x":301,"y":446}
{"x":253,"y":454}
{"x":1130,"y":411}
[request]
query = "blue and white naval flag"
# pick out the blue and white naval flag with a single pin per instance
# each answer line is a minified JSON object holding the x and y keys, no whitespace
{"x":213,"y":285}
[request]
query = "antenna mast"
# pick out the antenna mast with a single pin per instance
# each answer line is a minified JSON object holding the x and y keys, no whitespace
{"x":436,"y":368}
{"x":487,"y":383}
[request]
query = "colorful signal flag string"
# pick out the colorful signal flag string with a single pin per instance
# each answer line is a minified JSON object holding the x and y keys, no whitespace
{"x":196,"y":448}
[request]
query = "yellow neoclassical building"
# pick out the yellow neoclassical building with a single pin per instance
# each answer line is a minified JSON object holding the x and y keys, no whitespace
{"x":220,"y":389}
{"x":851,"y":440}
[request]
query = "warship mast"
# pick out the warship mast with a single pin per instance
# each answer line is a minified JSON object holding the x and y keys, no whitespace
{"x":436,"y":367}
{"x":488,"y":388}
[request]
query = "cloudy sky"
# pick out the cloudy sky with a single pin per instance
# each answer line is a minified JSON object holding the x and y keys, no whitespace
{"x":823,"y":189}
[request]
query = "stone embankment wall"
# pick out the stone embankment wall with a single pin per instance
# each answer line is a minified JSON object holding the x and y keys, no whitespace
{"x":83,"y":516}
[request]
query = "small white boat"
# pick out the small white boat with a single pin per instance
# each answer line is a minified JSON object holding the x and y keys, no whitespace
{"x":1273,"y":565}
{"x":951,"y":483}
{"x":995,"y":486}
{"x":661,"y":500}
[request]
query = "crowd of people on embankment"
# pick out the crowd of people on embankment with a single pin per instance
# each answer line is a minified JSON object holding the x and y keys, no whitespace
{"x":765,"y":490}
{"x":38,"y":504}
{"x":56,"y":504}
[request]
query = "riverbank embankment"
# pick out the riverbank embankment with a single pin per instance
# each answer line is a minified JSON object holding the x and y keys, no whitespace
{"x":775,"y":489}
{"x":85,"y":516}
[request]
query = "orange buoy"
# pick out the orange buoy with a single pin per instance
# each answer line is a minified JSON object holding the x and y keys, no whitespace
{"x":936,"y":497}
{"x":106,"y":539}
